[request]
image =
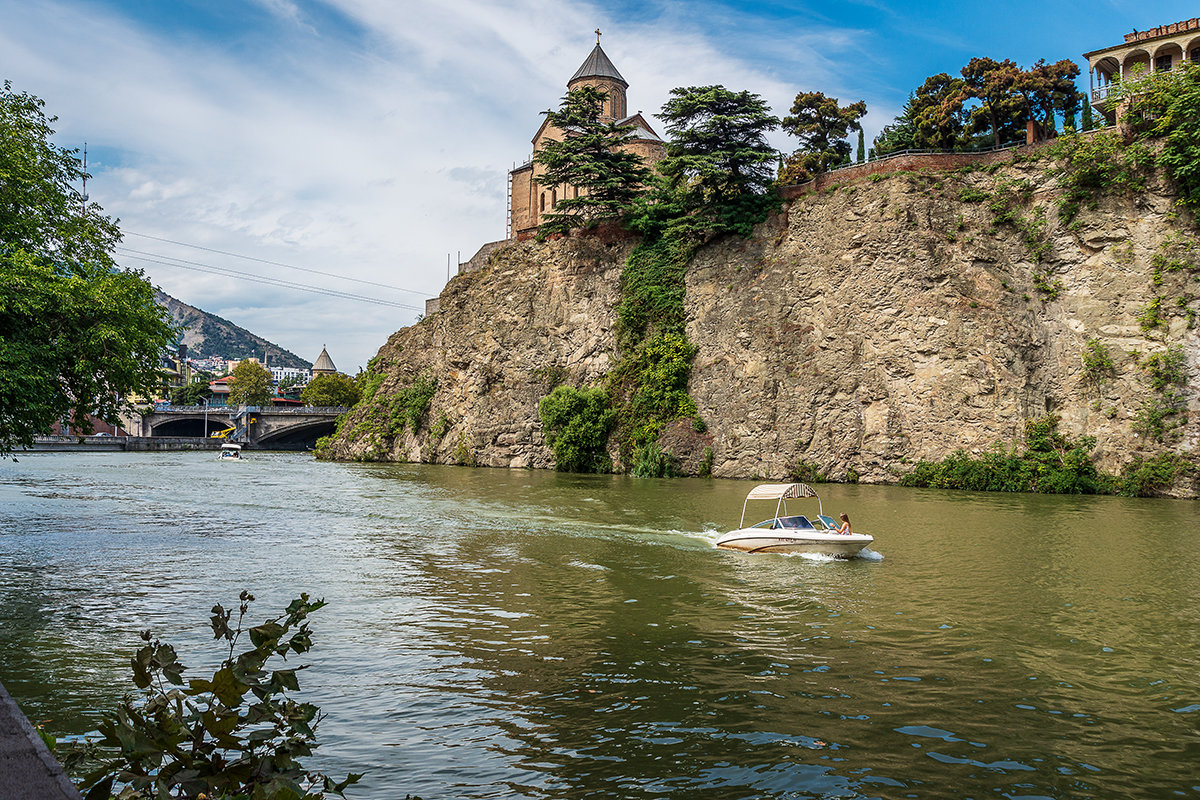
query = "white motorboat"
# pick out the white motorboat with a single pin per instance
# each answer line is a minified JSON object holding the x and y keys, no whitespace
{"x":785,"y":533}
{"x":230,"y":452}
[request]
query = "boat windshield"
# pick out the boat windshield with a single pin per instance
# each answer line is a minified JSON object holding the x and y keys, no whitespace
{"x":798,"y":522}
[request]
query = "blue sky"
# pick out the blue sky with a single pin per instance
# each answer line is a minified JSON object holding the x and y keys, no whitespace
{"x":370,"y":138}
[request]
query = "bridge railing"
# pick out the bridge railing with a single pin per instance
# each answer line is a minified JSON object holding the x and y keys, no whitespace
{"x":256,"y":409}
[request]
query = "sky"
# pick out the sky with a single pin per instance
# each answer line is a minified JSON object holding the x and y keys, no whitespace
{"x":359,"y":146}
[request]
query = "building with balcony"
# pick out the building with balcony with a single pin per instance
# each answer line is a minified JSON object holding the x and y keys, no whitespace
{"x":1160,"y":49}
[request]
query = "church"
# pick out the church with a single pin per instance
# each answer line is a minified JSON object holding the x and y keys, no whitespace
{"x":528,"y":198}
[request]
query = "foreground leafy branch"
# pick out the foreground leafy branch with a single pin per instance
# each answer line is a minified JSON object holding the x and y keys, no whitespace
{"x":234,"y":735}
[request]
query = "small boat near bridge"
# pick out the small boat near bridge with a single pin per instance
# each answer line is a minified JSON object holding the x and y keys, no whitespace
{"x":230,"y":452}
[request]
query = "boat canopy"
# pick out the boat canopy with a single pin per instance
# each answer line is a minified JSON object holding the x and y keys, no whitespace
{"x":779,"y":492}
{"x":231,"y":446}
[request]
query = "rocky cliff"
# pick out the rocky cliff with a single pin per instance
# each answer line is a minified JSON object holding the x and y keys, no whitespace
{"x":890,"y":319}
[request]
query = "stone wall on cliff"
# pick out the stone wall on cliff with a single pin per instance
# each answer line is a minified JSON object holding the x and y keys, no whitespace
{"x":865,"y":327}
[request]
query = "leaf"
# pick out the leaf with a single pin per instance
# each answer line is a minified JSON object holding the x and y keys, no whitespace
{"x":266,"y":634}
{"x":101,"y":790}
{"x":227,"y":688}
{"x":141,"y":667}
{"x":286,"y":679}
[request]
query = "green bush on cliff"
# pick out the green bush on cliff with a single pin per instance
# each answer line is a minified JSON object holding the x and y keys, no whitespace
{"x":576,"y":423}
{"x":654,"y":378}
{"x":1049,"y":463}
{"x":1148,"y":477}
{"x":1093,"y":164}
{"x":1165,"y":106}
{"x":408,"y":407}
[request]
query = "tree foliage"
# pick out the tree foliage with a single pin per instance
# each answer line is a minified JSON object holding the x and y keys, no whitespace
{"x":718,"y":165}
{"x":939,"y":121}
{"x":1046,"y":90}
{"x":820,"y":126}
{"x":993,"y":83}
{"x":191,"y":395}
{"x":237,"y":734}
{"x":589,"y":158}
{"x":76,"y":333}
{"x":331,"y":390}
{"x":576,"y":423}
{"x":250,"y":384}
{"x":1166,"y":106}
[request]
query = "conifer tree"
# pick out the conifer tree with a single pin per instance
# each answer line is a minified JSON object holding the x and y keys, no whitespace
{"x":862,"y":147}
{"x":718,"y":159}
{"x":604,"y":178}
{"x":993,"y":84}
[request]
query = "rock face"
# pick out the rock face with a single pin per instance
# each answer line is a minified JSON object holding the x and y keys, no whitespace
{"x":865,"y":327}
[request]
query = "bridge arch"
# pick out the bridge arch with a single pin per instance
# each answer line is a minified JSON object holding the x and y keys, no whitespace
{"x":301,"y":434}
{"x":187,"y":425}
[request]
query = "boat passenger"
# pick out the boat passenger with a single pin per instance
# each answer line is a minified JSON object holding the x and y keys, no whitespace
{"x":845,"y":525}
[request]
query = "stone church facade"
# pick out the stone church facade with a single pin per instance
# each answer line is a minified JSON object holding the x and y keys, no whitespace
{"x":529,"y":198}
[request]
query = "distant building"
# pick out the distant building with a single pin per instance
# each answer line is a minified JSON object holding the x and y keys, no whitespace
{"x":529,"y":200}
{"x":279,"y":374}
{"x":220,"y":391}
{"x":323,"y":365}
{"x":1160,"y":49}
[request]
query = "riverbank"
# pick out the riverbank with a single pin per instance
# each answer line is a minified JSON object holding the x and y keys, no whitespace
{"x":135,"y":444}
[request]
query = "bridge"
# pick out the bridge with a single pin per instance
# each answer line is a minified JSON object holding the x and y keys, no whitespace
{"x":279,"y":427}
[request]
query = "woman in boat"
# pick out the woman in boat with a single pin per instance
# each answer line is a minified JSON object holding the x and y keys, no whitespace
{"x":845,"y":525}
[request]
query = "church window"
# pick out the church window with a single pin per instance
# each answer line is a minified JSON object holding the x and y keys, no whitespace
{"x":553,"y":197}
{"x":543,"y":203}
{"x":575,"y":189}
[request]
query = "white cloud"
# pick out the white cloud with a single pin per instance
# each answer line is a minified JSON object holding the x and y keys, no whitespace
{"x":369,"y":150}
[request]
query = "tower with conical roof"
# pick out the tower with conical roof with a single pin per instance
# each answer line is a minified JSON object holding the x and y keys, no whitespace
{"x":597,"y":70}
{"x":323,"y":365}
{"x":529,"y":199}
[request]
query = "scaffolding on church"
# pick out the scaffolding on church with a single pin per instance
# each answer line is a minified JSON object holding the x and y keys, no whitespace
{"x":508,"y":224}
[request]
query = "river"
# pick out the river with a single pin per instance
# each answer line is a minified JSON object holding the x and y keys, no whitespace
{"x":520,"y":634}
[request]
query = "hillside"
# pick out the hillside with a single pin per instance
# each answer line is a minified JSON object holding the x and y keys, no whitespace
{"x":207,"y":335}
{"x":892,"y":319}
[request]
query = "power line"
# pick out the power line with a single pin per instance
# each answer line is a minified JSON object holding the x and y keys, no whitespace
{"x":229,"y":273}
{"x":279,"y":264}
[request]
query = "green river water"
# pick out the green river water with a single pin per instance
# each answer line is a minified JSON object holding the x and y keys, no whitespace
{"x":497,"y":634}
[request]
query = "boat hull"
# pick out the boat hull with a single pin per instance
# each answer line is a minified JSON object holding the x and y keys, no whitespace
{"x":757,"y":540}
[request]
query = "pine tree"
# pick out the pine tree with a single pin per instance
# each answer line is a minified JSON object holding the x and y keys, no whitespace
{"x":862,"y":147}
{"x":718,"y":147}
{"x":589,"y":159}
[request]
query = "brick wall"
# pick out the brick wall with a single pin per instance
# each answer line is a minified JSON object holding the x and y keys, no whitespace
{"x":908,"y":162}
{"x":1164,"y":30}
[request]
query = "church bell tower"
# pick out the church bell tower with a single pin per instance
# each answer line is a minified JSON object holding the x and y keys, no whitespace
{"x":597,"y":70}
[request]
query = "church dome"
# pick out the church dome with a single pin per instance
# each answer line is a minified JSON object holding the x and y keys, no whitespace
{"x":597,"y":65}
